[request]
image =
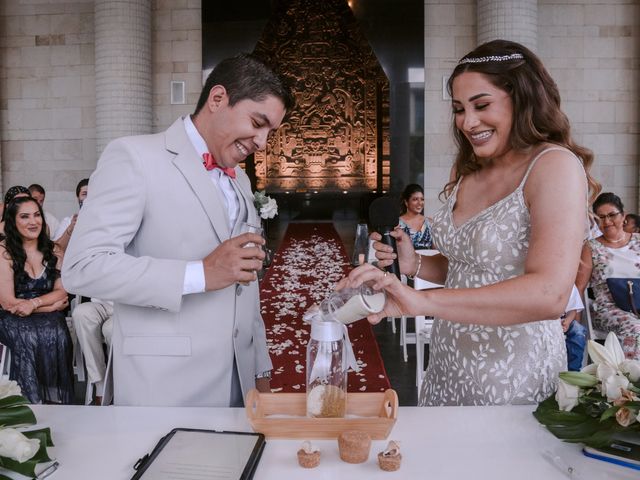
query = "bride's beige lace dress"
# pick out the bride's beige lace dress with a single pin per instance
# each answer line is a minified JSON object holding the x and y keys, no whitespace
{"x":471,"y":364}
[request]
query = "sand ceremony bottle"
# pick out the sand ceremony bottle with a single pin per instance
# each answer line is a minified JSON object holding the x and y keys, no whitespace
{"x":351,"y":304}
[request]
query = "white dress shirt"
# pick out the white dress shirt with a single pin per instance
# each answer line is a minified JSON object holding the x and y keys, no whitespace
{"x":194,"y":281}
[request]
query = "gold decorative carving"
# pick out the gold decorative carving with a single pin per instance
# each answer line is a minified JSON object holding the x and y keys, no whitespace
{"x":337,"y":137}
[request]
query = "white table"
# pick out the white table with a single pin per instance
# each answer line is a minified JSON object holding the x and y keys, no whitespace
{"x":472,"y":443}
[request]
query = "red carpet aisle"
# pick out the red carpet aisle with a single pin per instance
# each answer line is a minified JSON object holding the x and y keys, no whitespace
{"x":304,"y":270}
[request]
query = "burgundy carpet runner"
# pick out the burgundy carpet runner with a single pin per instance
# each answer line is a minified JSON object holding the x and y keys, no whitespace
{"x":304,"y":270}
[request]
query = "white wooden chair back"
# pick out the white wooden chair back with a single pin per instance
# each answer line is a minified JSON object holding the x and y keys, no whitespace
{"x":593,"y":333}
{"x":5,"y":362}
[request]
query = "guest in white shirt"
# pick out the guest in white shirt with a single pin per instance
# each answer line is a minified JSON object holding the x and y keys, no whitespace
{"x":66,"y":226}
{"x":93,"y":323}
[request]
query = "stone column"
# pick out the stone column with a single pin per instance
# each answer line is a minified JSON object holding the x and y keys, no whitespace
{"x":515,"y":20}
{"x":123,"y":69}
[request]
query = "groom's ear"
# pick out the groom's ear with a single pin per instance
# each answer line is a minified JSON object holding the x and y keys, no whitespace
{"x":217,"y":97}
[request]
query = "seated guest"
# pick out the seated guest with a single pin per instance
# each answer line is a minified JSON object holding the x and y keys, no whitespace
{"x":631,"y":223}
{"x":37,"y":192}
{"x":93,"y":324}
{"x":67,"y":224}
{"x":412,"y":220}
{"x":13,"y":192}
{"x":614,"y":254}
{"x":32,"y":324}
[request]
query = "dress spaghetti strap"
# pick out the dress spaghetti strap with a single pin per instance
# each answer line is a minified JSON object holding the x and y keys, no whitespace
{"x":535,"y":159}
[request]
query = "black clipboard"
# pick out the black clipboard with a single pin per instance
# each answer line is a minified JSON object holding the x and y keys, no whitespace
{"x":246,"y":450}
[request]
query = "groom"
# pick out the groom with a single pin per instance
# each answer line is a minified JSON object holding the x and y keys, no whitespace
{"x":160,"y":235}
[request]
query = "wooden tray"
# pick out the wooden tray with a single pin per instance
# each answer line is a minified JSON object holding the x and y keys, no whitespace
{"x":283,"y":415}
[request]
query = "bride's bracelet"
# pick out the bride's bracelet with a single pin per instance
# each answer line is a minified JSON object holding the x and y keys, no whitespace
{"x":411,"y":277}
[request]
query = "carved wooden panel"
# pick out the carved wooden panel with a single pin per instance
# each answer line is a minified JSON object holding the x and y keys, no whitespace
{"x":337,"y":137}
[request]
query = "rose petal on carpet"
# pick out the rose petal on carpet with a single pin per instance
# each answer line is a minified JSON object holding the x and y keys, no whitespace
{"x":305,"y":269}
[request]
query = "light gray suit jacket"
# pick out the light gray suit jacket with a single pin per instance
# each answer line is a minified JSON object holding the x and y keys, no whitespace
{"x":151,"y":209}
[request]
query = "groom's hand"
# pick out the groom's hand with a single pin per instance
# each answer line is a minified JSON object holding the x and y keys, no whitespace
{"x":234,"y":260}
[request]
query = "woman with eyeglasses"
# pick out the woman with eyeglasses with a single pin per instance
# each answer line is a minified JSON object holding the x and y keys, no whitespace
{"x":614,"y":254}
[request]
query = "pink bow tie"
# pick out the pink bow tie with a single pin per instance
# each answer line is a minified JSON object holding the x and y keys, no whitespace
{"x":210,"y":163}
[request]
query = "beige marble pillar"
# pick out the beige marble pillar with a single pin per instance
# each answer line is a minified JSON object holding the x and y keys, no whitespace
{"x":515,"y":20}
{"x":123,"y":69}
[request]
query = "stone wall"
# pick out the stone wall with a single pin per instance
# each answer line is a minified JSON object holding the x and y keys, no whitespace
{"x":177,"y":56}
{"x":47,"y":85}
{"x":47,"y":97}
{"x":591,"y":48}
{"x":593,"y":52}
{"x":450,"y":32}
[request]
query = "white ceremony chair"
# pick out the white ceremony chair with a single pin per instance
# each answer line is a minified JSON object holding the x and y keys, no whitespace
{"x":423,"y":325}
{"x":5,"y":362}
{"x":78,"y":358}
{"x":593,"y":333}
{"x":107,"y":389}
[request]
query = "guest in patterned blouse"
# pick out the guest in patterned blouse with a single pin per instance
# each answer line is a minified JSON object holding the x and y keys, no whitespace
{"x":412,"y":219}
{"x":614,"y":254}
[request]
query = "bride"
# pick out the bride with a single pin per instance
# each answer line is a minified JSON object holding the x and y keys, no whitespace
{"x":510,"y":234}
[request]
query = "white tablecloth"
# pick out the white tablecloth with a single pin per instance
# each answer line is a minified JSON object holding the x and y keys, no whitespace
{"x":467,"y":443}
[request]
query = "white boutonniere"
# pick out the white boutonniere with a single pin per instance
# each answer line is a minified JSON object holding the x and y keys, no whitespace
{"x":266,"y":206}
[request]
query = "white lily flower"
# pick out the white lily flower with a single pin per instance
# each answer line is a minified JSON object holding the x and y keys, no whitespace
{"x":604,"y":371}
{"x":9,"y":388}
{"x":15,"y":445}
{"x":610,"y":354}
{"x":632,"y":369}
{"x":612,"y":386}
{"x":567,"y":396}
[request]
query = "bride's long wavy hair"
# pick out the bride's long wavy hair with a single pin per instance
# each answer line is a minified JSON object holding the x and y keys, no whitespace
{"x":537,"y":117}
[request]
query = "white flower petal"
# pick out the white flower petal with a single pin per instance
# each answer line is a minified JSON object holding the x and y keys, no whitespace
{"x":600,"y":354}
{"x":9,"y":388}
{"x":15,"y":445}
{"x":612,"y":344}
{"x":567,"y":396}
{"x":632,"y":369}
{"x":613,"y":385}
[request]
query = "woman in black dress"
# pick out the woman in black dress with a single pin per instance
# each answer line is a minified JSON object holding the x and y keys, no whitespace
{"x":32,"y":324}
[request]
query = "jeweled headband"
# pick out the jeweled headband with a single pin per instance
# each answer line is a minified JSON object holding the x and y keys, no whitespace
{"x":492,"y":58}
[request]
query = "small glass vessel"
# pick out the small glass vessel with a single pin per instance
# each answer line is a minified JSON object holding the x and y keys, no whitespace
{"x":326,"y":369}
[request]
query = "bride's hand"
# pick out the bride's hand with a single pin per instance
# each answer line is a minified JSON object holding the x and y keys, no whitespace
{"x":406,"y":253}
{"x":400,"y":299}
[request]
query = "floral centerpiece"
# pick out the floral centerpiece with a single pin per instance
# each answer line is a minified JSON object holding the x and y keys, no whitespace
{"x":599,"y":403}
{"x":20,"y":451}
{"x":266,"y":206}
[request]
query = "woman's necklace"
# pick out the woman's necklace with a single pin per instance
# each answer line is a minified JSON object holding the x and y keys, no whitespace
{"x":621,"y":239}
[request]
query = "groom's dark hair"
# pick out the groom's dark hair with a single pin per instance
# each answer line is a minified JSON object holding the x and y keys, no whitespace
{"x":245,"y":76}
